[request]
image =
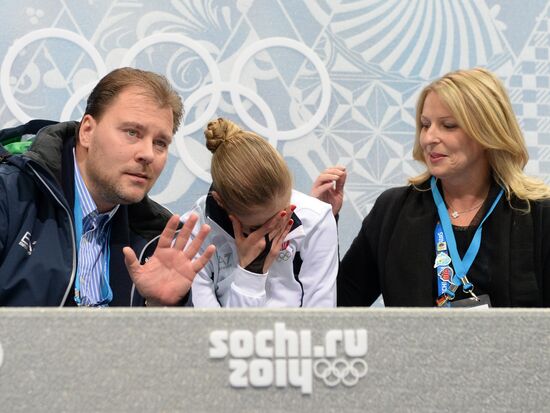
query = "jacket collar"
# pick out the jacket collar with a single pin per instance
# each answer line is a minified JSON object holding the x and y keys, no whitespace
{"x":51,"y":147}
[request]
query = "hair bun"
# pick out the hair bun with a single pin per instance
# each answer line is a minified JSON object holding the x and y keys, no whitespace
{"x":218,"y":131}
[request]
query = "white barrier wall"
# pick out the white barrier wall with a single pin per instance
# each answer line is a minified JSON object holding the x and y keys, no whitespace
{"x":328,"y":81}
{"x":375,"y":360}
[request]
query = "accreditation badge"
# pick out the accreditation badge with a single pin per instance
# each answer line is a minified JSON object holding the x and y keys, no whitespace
{"x":479,"y":303}
{"x":445,"y":273}
{"x":441,"y":260}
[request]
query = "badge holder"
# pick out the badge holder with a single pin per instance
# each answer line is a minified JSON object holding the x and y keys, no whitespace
{"x":449,"y":295}
{"x":482,"y":301}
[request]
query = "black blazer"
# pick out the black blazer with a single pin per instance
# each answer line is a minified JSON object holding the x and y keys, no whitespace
{"x":394,"y":253}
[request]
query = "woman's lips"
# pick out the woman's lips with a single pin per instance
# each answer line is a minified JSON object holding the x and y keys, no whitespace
{"x":434,"y":156}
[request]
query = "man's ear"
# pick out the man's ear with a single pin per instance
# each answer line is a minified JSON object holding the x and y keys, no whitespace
{"x":217,"y":198}
{"x":86,"y":130}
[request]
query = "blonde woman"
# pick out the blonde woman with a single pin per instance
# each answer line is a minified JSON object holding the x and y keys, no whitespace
{"x":275,"y":247}
{"x":472,"y":229}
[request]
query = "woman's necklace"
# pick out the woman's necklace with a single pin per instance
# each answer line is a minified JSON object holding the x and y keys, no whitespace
{"x":455,"y":214}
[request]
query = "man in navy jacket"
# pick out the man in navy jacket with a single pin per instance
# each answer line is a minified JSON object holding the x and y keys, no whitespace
{"x":53,"y":255}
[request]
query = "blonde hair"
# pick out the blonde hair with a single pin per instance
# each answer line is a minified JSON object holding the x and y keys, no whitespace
{"x":246,"y":170}
{"x":479,"y":103}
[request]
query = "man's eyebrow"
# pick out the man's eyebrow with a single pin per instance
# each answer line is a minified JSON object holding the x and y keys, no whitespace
{"x":133,"y":125}
{"x":167,"y":138}
{"x":139,"y":127}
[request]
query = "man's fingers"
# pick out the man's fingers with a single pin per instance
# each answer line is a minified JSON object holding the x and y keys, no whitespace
{"x":131,"y":261}
{"x":167,"y":235}
{"x":195,"y":245}
{"x":200,"y":262}
{"x":185,"y":232}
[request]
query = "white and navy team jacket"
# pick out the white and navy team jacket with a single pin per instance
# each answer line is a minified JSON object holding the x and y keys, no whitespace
{"x":303,"y":275}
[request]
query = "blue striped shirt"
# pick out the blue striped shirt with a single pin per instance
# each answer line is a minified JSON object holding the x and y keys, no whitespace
{"x":92,"y":286}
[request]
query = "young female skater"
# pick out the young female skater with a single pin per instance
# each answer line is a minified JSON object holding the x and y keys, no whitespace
{"x":275,"y":247}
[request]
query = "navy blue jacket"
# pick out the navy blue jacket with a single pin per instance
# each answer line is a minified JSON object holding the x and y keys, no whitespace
{"x":37,"y":237}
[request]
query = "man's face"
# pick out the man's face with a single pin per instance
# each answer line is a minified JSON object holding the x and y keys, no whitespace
{"x":122,"y":154}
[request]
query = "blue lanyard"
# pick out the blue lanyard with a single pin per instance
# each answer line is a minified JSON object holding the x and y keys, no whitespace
{"x":461,"y":266}
{"x":106,"y":292}
{"x":442,"y":265}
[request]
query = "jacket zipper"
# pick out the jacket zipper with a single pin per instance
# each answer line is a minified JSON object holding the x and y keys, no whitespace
{"x":72,"y":234}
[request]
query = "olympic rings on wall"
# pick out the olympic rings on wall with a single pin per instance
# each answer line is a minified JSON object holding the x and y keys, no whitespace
{"x":325,"y":83}
{"x":186,"y":130}
{"x":214,"y":88}
{"x":34,"y":36}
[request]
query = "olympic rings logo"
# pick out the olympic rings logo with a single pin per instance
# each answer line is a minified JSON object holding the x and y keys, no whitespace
{"x":236,"y":90}
{"x":340,"y":371}
{"x":284,"y":255}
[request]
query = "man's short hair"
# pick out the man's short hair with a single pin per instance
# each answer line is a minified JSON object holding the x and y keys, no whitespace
{"x":152,"y":84}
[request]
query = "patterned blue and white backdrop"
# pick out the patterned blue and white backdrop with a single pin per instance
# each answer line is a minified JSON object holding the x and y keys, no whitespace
{"x":326,"y":81}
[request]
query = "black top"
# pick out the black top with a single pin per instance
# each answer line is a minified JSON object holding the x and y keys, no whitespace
{"x":393,"y":253}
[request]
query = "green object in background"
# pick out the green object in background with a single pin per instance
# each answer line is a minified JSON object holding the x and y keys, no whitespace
{"x":17,"y":147}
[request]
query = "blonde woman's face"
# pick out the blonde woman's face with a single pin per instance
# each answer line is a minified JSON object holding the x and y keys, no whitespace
{"x":449,"y":152}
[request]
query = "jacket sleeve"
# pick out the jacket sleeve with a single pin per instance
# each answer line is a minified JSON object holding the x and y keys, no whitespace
{"x":357,"y":276}
{"x":202,"y":289}
{"x":319,"y":253}
{"x":3,"y":219}
{"x":203,"y":293}
{"x":360,"y":270}
{"x":542,"y":231}
{"x":247,"y":289}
